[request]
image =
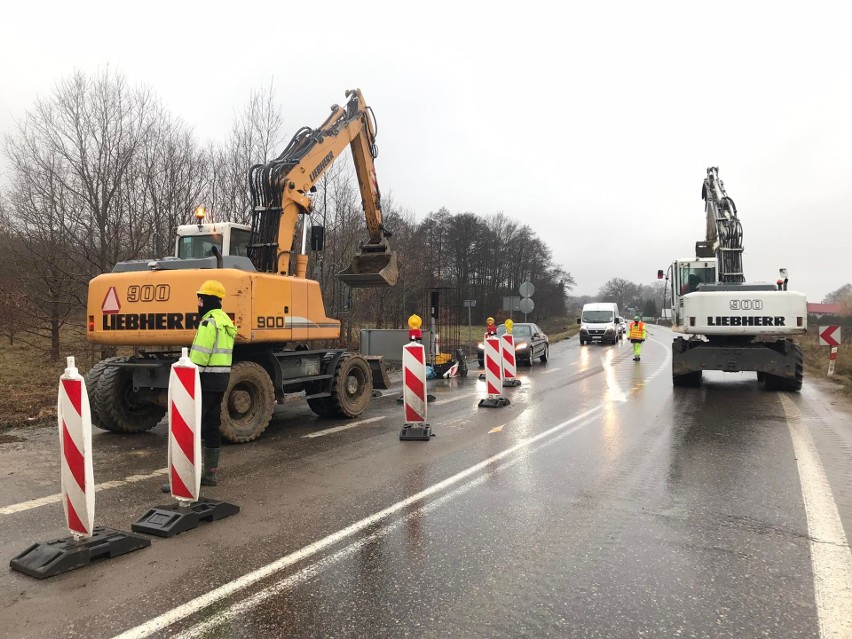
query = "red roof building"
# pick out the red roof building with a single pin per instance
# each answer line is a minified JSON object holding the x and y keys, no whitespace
{"x":826,"y":309}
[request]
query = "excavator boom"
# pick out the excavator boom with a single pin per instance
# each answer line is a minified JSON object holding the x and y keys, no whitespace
{"x":280,"y":191}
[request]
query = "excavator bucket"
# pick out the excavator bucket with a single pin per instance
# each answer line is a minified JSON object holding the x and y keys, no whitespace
{"x":374,"y":266}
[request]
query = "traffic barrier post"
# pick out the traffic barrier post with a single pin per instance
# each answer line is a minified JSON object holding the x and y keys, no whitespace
{"x":86,"y":543}
{"x":184,"y":413}
{"x":507,"y":355}
{"x":414,"y":398}
{"x":832,"y":357}
{"x":493,"y":374}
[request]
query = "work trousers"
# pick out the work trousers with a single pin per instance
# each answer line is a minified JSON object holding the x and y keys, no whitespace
{"x":211,"y":418}
{"x":637,"y":348}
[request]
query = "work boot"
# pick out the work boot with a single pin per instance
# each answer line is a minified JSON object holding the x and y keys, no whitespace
{"x":211,"y":466}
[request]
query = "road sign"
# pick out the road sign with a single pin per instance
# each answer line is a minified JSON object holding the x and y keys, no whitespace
{"x":511,"y":303}
{"x":527,"y":289}
{"x":829,"y":335}
{"x":468,"y":303}
{"x":526,"y":305}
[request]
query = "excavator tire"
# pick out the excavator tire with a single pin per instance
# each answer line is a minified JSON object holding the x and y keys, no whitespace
{"x":687,"y":379}
{"x":114,"y":402}
{"x":775,"y":383}
{"x":322,"y":406}
{"x":248,"y":403}
{"x":352,"y":386}
{"x":92,"y":378}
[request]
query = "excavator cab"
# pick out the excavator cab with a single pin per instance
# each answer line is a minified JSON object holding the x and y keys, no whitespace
{"x":374,"y":266}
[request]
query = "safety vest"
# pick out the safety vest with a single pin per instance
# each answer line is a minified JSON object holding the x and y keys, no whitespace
{"x":213,"y":348}
{"x":637,"y":330}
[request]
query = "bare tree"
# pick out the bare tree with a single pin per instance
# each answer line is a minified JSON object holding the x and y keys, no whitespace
{"x":96,"y":127}
{"x":41,"y":248}
{"x":621,"y":291}
{"x":255,"y":134}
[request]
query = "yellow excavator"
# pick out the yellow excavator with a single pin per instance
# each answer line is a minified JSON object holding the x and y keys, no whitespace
{"x":151,"y":304}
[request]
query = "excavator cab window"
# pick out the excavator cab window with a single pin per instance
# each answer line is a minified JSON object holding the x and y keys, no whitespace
{"x":239,"y":242}
{"x":692,"y":276}
{"x":197,"y":246}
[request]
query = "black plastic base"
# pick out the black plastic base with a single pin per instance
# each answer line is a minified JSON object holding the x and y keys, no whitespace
{"x":419,"y":433}
{"x":61,"y":555}
{"x":482,"y":377}
{"x":494,"y":402}
{"x":511,"y":383}
{"x":168,"y":521}
{"x":429,"y":398}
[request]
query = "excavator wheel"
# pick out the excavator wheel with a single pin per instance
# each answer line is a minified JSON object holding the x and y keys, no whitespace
{"x":687,"y":379}
{"x":248,"y":403}
{"x":115,"y":403}
{"x":352,"y":386}
{"x":775,"y":383}
{"x":92,"y":379}
{"x":322,"y":406}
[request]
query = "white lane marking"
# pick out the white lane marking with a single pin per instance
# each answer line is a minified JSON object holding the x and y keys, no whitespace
{"x":441,"y":402}
{"x":496,"y":429}
{"x":244,"y":606}
{"x":55,"y":499}
{"x":830,"y":554}
{"x":337,"y":429}
{"x":551,"y":370}
{"x":203,"y":601}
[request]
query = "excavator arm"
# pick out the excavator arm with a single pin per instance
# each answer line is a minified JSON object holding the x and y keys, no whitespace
{"x":280,"y":193}
{"x":724,"y":231}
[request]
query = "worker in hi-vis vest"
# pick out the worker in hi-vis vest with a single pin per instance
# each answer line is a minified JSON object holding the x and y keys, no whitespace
{"x":637,"y":333}
{"x":212,"y":351}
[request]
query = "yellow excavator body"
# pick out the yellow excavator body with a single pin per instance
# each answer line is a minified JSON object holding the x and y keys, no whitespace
{"x":159,"y":308}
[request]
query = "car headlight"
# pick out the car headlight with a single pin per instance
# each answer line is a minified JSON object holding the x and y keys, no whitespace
{"x":480,"y":346}
{"x":520,"y":347}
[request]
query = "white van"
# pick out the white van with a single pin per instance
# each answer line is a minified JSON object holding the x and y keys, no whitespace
{"x":600,"y":322}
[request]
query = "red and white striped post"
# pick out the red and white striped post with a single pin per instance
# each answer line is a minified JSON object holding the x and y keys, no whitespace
{"x":507,"y":353}
{"x":74,"y":418}
{"x":185,"y":430}
{"x":414,"y":397}
{"x":86,"y":543}
{"x":832,"y":357}
{"x":493,"y":374}
{"x":184,"y":461}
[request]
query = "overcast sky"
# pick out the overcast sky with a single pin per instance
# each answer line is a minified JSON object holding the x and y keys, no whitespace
{"x":593,"y":122}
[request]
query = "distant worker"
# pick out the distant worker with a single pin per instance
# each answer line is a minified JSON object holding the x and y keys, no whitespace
{"x":490,"y":327}
{"x":212,"y":351}
{"x":637,"y":334}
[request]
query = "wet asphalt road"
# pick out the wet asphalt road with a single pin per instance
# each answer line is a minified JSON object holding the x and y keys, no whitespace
{"x":601,"y":503}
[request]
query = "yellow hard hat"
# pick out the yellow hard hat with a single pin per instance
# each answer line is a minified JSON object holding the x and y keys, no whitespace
{"x":212,"y":287}
{"x":490,"y":320}
{"x":414,"y":321}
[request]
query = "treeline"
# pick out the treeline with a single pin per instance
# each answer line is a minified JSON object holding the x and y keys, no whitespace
{"x":100,"y":172}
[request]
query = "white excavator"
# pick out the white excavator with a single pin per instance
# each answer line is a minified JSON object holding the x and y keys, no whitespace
{"x":726,"y":323}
